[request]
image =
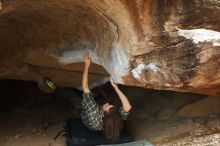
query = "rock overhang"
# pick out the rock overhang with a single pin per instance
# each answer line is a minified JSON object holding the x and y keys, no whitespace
{"x":153,"y":44}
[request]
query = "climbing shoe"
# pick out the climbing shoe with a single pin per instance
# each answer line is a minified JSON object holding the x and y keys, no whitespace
{"x":49,"y":83}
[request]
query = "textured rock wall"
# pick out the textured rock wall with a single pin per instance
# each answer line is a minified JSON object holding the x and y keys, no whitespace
{"x":160,"y":44}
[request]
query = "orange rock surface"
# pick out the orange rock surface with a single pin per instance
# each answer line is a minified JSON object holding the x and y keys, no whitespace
{"x":159,"y":44}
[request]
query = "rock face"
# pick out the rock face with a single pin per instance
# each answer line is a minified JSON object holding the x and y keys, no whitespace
{"x":199,"y":108}
{"x":159,"y":44}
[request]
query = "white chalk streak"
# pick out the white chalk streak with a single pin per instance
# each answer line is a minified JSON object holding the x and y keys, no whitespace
{"x":139,"y":69}
{"x":119,"y":64}
{"x":201,"y":35}
{"x":72,"y":56}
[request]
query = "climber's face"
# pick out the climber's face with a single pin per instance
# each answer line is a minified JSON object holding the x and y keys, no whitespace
{"x":106,"y":107}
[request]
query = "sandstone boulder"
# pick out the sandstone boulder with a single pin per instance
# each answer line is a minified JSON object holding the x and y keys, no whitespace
{"x":159,"y":44}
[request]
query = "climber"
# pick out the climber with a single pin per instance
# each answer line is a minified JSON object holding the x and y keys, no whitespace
{"x":107,"y":117}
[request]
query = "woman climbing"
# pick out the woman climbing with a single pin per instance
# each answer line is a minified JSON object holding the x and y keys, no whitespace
{"x":107,"y":118}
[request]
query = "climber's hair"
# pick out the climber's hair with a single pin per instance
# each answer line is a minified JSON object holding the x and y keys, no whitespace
{"x":112,"y":124}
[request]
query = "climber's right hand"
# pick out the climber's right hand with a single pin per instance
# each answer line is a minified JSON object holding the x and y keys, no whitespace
{"x":87,"y":59}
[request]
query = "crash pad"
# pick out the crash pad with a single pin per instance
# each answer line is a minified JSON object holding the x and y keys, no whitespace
{"x":136,"y":143}
{"x":79,"y":135}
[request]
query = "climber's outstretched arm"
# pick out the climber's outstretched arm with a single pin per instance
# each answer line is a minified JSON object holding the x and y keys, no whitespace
{"x":124,"y":100}
{"x":87,"y":62}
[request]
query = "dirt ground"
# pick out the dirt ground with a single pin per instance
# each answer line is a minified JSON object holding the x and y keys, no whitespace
{"x":35,"y":120}
{"x":34,"y":127}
